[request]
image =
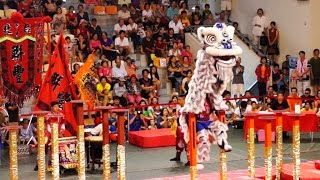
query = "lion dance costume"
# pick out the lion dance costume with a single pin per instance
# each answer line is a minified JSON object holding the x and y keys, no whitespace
{"x":211,"y":76}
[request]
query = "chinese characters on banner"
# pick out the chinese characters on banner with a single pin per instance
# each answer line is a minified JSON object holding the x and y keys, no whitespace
{"x":21,"y":50}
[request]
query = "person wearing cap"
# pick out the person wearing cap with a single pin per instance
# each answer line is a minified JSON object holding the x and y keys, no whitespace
{"x":83,"y":30}
{"x":120,"y":90}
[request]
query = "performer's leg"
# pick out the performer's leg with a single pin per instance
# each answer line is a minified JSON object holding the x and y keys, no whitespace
{"x":179,"y":145}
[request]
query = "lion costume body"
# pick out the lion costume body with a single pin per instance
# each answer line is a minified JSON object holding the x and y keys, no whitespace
{"x":212,"y":74}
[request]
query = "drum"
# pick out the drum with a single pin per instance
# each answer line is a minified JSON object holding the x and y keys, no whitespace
{"x":68,"y":152}
{"x":93,"y":138}
{"x":94,"y":150}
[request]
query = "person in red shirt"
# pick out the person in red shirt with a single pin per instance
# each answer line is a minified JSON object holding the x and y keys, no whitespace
{"x":24,"y":7}
{"x":186,"y":52}
{"x":72,"y":21}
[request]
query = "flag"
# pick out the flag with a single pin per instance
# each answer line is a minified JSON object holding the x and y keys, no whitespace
{"x":85,"y":81}
{"x":58,"y":85}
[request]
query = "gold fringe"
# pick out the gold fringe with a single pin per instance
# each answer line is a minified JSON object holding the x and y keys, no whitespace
{"x":41,"y":149}
{"x":279,"y":151}
{"x":296,"y":152}
{"x":121,"y":162}
{"x":223,"y":165}
{"x":9,"y":38}
{"x":55,"y":151}
{"x":193,"y":172}
{"x":13,"y":144}
{"x":251,"y":153}
{"x":268,"y":162}
{"x":106,"y":162}
{"x":81,"y":154}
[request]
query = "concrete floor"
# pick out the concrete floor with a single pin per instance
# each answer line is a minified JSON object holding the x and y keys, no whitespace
{"x":151,"y":163}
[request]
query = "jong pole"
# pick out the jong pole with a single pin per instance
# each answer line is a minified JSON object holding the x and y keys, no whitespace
{"x":13,"y":148}
{"x":192,"y":146}
{"x":81,"y":144}
{"x":279,"y":145}
{"x":223,"y":155}
{"x":121,"y":161}
{"x":41,"y":144}
{"x":55,"y":146}
{"x":105,"y":143}
{"x":250,"y":142}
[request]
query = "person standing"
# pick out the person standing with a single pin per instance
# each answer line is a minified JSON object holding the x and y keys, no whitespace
{"x":226,"y":6}
{"x":273,"y":39}
{"x":13,"y":112}
{"x":303,"y":72}
{"x":315,"y":70}
{"x":259,"y":26}
{"x":238,"y":82}
{"x":263,"y":72}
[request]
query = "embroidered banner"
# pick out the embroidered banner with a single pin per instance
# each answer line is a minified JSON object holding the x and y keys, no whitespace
{"x":21,"y":43}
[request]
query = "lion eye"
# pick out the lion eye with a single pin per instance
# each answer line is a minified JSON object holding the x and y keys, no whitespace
{"x":224,"y":34}
{"x":210,"y":39}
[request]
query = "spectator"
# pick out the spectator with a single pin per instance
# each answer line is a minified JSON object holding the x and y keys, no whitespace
{"x":141,"y":32}
{"x":82,"y":48}
{"x":108,"y":47}
{"x":210,"y":20}
{"x":308,"y":107}
{"x":59,"y":21}
{"x":123,"y":13}
{"x":147,"y":15}
{"x":175,"y":51}
{"x":259,"y":26}
{"x":226,"y":7}
{"x":130,"y":67}
{"x":177,"y":26}
{"x":248,"y":97}
{"x":185,"y":82}
{"x":105,"y":70}
{"x":31,"y":14}
{"x":26,"y":132}
{"x":156,"y":27}
{"x":185,"y":67}
{"x":120,"y":90}
{"x":160,"y":47}
{"x":71,"y":20}
{"x":83,"y":30}
{"x":148,"y":47}
{"x":175,"y":76}
{"x":184,"y":7}
{"x":95,"y":28}
{"x":229,"y":112}
{"x":277,"y":79}
{"x":122,"y":44}
{"x":238,"y":82}
{"x":196,"y":20}
{"x":37,"y":5}
{"x":317,"y":102}
{"x":221,"y":19}
{"x":294,"y":77}
{"x":103,"y":91}
{"x":293,"y":99}
{"x":134,"y":13}
{"x":172,"y":10}
{"x":82,"y":14}
{"x":307,"y":97}
{"x":69,"y":48}
{"x":286,"y":79}
{"x":186,"y":52}
{"x":50,"y":8}
{"x":196,"y":12}
{"x":116,"y":101}
{"x":154,"y":76}
{"x":135,"y":121}
{"x":285,"y":63}
{"x":159,"y":13}
{"x":146,"y":112}
{"x":134,"y":90}
{"x":162,"y":120}
{"x":118,"y":72}
{"x":263,"y":72}
{"x":273,"y":39}
{"x":120,"y":26}
{"x":236,"y":28}
{"x":206,"y":12}
{"x":280,"y":103}
{"x":238,"y":115}
{"x":147,"y":85}
{"x":152,"y":125}
{"x":95,"y":43}
{"x":75,"y":68}
{"x":185,"y":21}
{"x":315,"y":71}
{"x":303,"y":72}
{"x":170,"y":38}
{"x":132,"y":28}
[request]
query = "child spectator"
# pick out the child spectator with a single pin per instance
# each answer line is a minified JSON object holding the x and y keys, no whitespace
{"x":206,"y":12}
{"x":26,"y":134}
{"x":113,"y":119}
{"x":229,"y":112}
{"x":152,"y":125}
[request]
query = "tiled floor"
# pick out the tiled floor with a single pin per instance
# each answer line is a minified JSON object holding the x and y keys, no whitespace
{"x":154,"y":163}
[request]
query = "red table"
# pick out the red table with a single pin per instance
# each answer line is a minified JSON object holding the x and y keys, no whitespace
{"x":308,"y":123}
{"x":152,"y":138}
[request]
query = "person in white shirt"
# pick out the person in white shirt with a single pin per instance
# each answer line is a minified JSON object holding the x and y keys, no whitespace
{"x":176,"y":25}
{"x":120,"y":26}
{"x":122,"y":44}
{"x":147,"y":15}
{"x":124,"y":13}
{"x":118,"y":72}
{"x":120,"y":90}
{"x":303,"y":72}
{"x":259,"y":23}
{"x":226,"y":6}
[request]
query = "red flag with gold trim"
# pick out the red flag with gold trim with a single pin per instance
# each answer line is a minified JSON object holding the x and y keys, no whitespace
{"x":58,"y":84}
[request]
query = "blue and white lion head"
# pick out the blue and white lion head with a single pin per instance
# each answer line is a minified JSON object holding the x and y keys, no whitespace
{"x":218,"y":40}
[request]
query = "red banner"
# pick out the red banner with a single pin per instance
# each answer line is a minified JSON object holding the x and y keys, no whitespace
{"x":58,"y":86}
{"x":21,"y":53}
